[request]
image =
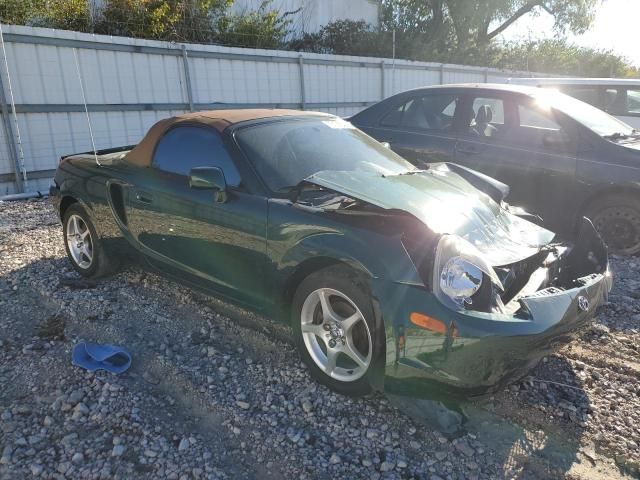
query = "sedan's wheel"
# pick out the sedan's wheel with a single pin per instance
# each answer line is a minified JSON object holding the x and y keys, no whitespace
{"x":617,"y":219}
{"x":334,"y":327}
{"x":83,"y":246}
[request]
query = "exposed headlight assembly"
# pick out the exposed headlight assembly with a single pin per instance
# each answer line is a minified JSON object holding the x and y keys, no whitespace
{"x":462,"y":279}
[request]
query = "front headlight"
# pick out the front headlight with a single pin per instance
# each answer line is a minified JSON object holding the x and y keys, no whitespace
{"x":462,"y":279}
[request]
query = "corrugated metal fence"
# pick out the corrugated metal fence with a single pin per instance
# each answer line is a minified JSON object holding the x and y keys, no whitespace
{"x":129,"y":84}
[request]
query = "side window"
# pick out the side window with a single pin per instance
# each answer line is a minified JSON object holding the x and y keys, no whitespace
{"x":394,"y":117}
{"x":633,"y":101}
{"x":587,"y":94}
{"x":430,"y":112}
{"x":538,"y":128}
{"x":184,"y":148}
{"x":486,"y":117}
{"x":615,"y":101}
{"x":531,"y":117}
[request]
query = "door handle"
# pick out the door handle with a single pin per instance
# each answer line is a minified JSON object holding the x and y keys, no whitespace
{"x":144,"y":197}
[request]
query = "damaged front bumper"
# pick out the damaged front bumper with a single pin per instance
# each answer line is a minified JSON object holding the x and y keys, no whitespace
{"x":474,"y":352}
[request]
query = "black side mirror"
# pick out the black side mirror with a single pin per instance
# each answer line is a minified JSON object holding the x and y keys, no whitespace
{"x":209,"y":178}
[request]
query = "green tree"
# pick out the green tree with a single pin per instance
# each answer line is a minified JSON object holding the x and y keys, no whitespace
{"x":63,"y":14}
{"x":345,"y":37}
{"x":177,"y":20}
{"x":261,"y":28}
{"x":465,"y":24}
{"x":561,"y":57}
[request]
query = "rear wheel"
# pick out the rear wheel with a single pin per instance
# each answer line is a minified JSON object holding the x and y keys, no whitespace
{"x":617,"y":219}
{"x":335,"y":329}
{"x":83,"y":246}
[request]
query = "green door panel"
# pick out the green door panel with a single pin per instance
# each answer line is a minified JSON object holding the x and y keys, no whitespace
{"x":221,"y":243}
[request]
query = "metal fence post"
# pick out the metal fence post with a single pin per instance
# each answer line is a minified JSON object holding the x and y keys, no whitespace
{"x":303,"y":92}
{"x":486,"y":75}
{"x":382,"y":80}
{"x":187,"y":77}
{"x":441,"y":73}
{"x":11,"y":138}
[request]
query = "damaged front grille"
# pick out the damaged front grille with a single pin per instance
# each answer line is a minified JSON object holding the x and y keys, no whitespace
{"x":557,"y":268}
{"x":547,"y":292}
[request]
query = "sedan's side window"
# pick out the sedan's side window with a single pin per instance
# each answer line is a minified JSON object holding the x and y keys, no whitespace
{"x":615,"y":101}
{"x":183,"y":148}
{"x":633,"y":101}
{"x":486,"y":117}
{"x":538,"y":128}
{"x":429,"y":112}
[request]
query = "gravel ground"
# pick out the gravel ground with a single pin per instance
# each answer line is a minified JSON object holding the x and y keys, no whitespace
{"x":216,"y":392}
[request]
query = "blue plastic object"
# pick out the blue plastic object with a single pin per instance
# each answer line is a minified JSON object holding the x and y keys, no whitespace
{"x":93,"y":356}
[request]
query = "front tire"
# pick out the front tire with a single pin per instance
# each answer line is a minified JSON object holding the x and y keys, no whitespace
{"x":84,"y":248}
{"x":617,"y":219}
{"x":335,"y":329}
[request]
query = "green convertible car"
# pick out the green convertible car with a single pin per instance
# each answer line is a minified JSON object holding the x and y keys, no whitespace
{"x":392,"y":277}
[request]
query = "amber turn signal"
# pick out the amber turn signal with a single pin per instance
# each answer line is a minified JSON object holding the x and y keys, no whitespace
{"x":430,"y":323}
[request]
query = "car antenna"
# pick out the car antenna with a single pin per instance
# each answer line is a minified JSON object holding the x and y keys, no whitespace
{"x":86,"y":110}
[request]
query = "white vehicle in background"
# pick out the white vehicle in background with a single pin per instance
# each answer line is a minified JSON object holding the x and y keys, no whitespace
{"x":617,"y":97}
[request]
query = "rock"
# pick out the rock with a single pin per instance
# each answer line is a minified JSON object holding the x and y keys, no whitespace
{"x":81,"y":409}
{"x":23,"y":410}
{"x":75,"y":397}
{"x":464,"y":448}
{"x":307,"y":406}
{"x":335,"y":458}
{"x":36,"y":469}
{"x":387,"y":466}
{"x":77,"y":458}
{"x":243,"y":405}
{"x":184,"y":444}
{"x":118,"y":450}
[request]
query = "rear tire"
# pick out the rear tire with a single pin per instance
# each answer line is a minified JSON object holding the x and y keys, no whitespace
{"x":617,"y":219}
{"x":83,"y":245}
{"x":335,"y":330}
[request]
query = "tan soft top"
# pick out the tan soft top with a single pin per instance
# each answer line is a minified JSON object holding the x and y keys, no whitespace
{"x":142,"y":154}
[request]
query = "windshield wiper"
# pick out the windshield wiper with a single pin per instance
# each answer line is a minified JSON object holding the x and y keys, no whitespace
{"x":617,"y":136}
{"x":413,"y":172}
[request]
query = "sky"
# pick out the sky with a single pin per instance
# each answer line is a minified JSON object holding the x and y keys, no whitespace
{"x":616,"y":28}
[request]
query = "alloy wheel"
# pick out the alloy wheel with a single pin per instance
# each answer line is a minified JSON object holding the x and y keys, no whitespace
{"x":336,"y":335}
{"x":79,"y":241}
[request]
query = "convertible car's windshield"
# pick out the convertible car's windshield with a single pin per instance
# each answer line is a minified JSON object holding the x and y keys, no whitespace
{"x":286,"y":152}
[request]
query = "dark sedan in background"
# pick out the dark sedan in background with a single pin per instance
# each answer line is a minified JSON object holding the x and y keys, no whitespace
{"x":562,"y":158}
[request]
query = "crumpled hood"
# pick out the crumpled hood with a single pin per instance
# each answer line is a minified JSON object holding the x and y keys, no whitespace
{"x":634,"y":146}
{"x":445,"y":203}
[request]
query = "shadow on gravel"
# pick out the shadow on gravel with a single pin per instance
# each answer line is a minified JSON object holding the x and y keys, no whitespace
{"x":535,"y":426}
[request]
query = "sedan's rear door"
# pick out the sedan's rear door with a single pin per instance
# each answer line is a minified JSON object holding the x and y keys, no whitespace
{"x":511,"y":138}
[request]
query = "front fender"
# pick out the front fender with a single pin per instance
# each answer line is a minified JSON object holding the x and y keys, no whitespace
{"x":374,"y":255}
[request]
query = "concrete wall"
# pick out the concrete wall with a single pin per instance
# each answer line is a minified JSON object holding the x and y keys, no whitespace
{"x":131,"y":83}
